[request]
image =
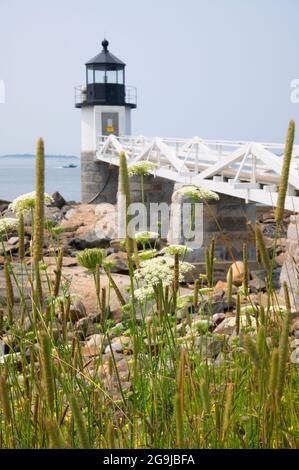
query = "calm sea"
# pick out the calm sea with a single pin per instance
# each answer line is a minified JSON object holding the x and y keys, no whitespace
{"x":17,"y":176}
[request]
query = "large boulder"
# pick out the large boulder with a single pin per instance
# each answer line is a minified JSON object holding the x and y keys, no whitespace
{"x":90,"y":225}
{"x":59,"y":201}
{"x":88,"y":239}
{"x":119,"y":262}
{"x":3,"y":206}
{"x":238,"y":271}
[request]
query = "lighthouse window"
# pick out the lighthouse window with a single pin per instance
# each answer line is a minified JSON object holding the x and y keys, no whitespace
{"x":89,"y":75}
{"x":120,"y":77}
{"x":111,"y":76}
{"x":99,"y":76}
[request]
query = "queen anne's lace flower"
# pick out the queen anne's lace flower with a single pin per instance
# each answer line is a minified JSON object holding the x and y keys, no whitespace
{"x":197,"y":193}
{"x":141,"y":168}
{"x":26,"y":202}
{"x":176,"y":249}
{"x":8,"y":224}
{"x":145,"y":236}
{"x":156,"y":271}
{"x":144,"y":293}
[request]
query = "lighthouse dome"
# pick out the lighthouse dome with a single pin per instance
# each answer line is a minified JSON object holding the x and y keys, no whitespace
{"x":105,"y":57}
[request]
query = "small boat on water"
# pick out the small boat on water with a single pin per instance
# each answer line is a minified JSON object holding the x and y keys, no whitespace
{"x":70,"y":165}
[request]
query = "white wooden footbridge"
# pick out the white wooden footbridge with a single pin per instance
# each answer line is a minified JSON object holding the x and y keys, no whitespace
{"x":247,"y":170}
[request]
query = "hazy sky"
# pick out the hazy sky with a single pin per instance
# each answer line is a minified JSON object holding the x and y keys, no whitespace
{"x":213,"y":68}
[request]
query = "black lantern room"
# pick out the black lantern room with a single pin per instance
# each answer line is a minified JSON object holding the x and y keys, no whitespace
{"x":105,"y":81}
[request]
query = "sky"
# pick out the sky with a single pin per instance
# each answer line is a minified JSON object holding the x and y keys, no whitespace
{"x":218,"y":69}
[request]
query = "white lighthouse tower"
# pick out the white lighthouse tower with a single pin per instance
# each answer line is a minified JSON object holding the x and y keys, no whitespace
{"x":106,"y":104}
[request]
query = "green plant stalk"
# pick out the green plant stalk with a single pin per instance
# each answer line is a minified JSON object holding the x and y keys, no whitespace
{"x":1,"y":322}
{"x":110,"y":436}
{"x":55,"y":437}
{"x":176,"y":274}
{"x":79,"y":420}
{"x":179,"y":421}
{"x":21,"y":233}
{"x":204,"y":393}
{"x":115,"y":287}
{"x":47,"y":370}
{"x":212,"y":256}
{"x":227,"y":410}
{"x":229,"y":286}
{"x":125,"y":190}
{"x":262,"y":316}
{"x":252,"y":351}
{"x":97,"y":279}
{"x":263,"y":250}
{"x":238,"y":314}
{"x":207,"y":262}
{"x":142,"y":200}
{"x":246,"y":270}
{"x":273,"y":376}
{"x":38,"y":236}
{"x":5,"y":400}
{"x":283,"y":354}
{"x":284,"y":179}
{"x":262,"y":353}
{"x":196,"y":292}
{"x":9,"y":292}
{"x":287,"y":297}
{"x":103,"y":306}
{"x":58,"y":272}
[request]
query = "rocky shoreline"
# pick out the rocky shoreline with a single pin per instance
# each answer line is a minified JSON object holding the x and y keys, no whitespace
{"x":209,"y":328}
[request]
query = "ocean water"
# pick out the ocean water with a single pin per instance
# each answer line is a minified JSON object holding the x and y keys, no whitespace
{"x":17,"y":176}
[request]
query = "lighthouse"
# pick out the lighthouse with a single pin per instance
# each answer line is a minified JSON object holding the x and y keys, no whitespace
{"x":106,"y":104}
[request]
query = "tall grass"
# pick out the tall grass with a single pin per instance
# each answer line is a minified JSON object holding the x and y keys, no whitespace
{"x":51,"y":395}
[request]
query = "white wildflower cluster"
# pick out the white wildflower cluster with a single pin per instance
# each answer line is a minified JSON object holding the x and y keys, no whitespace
{"x":156,"y":271}
{"x":197,"y":193}
{"x":141,"y":168}
{"x":144,"y":293}
{"x":145,"y":236}
{"x":176,"y":249}
{"x":26,"y":202}
{"x":8,"y":224}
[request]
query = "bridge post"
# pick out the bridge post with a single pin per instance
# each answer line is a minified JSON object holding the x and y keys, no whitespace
{"x":289,"y":272}
{"x":99,"y":180}
{"x":230,"y":221}
{"x":156,"y":190}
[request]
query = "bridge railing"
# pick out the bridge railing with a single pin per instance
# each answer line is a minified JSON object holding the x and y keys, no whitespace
{"x":193,"y":150}
{"x":222,"y":145}
{"x":248,"y":170}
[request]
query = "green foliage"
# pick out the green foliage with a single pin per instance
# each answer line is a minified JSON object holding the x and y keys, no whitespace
{"x":9,"y":291}
{"x":209,"y":254}
{"x":39,"y":203}
{"x":21,"y":233}
{"x":47,"y":369}
{"x":284,"y":179}
{"x":91,"y":257}
{"x":263,"y":252}
{"x":172,"y":388}
{"x":80,"y":423}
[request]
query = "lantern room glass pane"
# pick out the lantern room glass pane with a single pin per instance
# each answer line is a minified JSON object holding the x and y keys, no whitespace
{"x":120,"y":77}
{"x":89,"y":75}
{"x":99,"y":76}
{"x":111,"y":76}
